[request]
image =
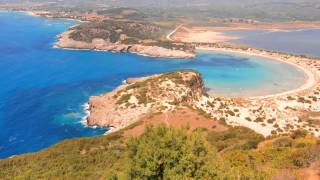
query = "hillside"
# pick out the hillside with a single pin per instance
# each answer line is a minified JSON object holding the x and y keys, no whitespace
{"x":171,"y":154}
{"x":115,"y":31}
{"x":262,"y":10}
{"x":124,"y":36}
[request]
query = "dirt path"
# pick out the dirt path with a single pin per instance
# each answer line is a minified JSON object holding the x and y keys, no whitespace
{"x":172,"y":32}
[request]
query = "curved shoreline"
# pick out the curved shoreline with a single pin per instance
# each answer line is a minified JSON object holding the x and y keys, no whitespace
{"x":311,"y":77}
{"x":310,"y":81}
{"x":273,"y":106}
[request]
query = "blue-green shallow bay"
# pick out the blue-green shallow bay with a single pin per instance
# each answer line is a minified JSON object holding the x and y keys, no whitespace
{"x":42,"y":89}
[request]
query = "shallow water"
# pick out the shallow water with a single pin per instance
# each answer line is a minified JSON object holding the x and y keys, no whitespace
{"x":302,"y":41}
{"x":43,"y":89}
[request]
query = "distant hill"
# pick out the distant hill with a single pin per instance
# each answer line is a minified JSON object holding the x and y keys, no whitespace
{"x":263,"y":10}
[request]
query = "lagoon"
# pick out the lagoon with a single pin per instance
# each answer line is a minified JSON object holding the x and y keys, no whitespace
{"x":295,"y":41}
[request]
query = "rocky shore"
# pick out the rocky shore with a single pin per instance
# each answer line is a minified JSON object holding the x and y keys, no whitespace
{"x":64,"y":41}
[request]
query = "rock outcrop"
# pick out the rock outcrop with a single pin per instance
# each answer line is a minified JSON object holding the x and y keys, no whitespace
{"x":158,"y":93}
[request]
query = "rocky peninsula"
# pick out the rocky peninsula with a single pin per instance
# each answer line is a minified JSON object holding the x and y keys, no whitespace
{"x":140,"y":97}
{"x":123,"y":36}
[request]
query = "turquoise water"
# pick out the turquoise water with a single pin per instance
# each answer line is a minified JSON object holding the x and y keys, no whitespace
{"x":303,"y":41}
{"x":43,"y":89}
{"x":248,"y":76}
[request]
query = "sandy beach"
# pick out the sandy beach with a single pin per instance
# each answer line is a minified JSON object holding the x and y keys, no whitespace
{"x":37,"y":13}
{"x":195,"y":35}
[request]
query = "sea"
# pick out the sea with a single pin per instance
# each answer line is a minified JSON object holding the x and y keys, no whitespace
{"x":43,"y":90}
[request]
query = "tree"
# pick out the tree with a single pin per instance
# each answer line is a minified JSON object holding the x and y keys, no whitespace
{"x":168,"y":153}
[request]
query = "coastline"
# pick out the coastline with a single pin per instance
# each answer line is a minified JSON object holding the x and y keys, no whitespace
{"x":310,"y":82}
{"x":109,"y":51}
{"x":266,"y":115}
{"x":65,"y":42}
{"x":311,"y":77}
{"x":141,"y":50}
{"x":251,"y":104}
{"x":130,"y":102}
{"x":299,"y":62}
{"x":45,"y":15}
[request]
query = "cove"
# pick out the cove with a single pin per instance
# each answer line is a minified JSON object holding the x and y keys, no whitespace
{"x":43,"y":89}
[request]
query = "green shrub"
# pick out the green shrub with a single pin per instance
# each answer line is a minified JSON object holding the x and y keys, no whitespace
{"x":168,"y":153}
{"x":236,"y":137}
{"x":124,"y":99}
{"x":283,"y":142}
{"x":300,"y":133}
{"x":250,"y":144}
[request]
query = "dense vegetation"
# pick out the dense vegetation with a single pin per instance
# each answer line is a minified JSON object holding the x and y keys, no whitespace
{"x":168,"y":153}
{"x":176,"y":155}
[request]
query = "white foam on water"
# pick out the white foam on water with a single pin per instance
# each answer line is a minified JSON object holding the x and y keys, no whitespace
{"x":85,"y":108}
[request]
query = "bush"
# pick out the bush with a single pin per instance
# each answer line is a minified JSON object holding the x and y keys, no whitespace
{"x":300,"y":133}
{"x":301,"y":158}
{"x":168,"y":153}
{"x":236,"y":137}
{"x":250,"y":144}
{"x":283,"y":142}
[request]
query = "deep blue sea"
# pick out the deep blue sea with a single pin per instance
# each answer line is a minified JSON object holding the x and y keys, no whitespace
{"x":301,"y":41}
{"x":43,"y":89}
